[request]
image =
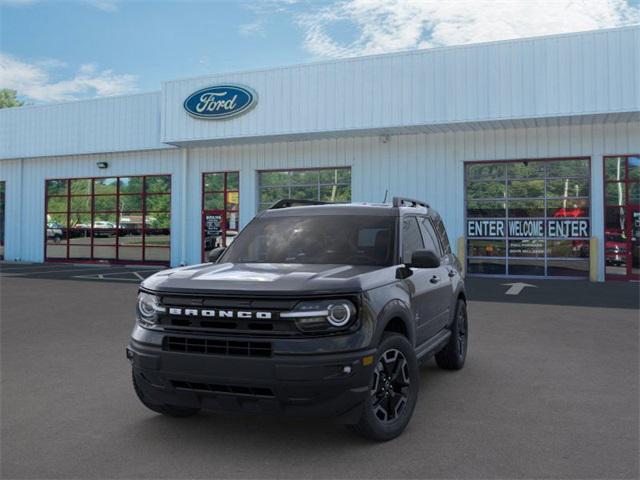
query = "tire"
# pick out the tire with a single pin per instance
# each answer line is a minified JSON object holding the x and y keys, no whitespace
{"x":389,"y":407}
{"x":454,"y":353}
{"x":164,"y":409}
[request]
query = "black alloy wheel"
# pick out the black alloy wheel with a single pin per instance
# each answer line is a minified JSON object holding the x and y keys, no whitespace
{"x":393,"y":390}
{"x":454,"y":353}
{"x":462,"y":333}
{"x":390,"y":389}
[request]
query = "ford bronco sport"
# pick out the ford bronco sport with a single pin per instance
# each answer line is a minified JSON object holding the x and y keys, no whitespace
{"x":315,"y":309}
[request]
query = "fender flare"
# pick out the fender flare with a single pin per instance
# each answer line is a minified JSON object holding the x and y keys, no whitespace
{"x":395,"y":309}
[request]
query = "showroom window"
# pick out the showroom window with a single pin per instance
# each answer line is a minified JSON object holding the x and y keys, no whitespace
{"x":325,"y":184}
{"x":2,"y":187}
{"x":528,"y":218}
{"x":622,"y":217}
{"x":116,"y":219}
{"x":220,"y":204}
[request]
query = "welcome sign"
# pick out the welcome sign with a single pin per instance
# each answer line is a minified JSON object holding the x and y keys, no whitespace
{"x":528,"y":228}
{"x":220,"y":102}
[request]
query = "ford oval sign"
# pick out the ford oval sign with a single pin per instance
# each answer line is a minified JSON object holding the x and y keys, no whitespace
{"x":220,"y":102}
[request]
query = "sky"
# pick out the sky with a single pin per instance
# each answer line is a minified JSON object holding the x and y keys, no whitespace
{"x":54,"y":50}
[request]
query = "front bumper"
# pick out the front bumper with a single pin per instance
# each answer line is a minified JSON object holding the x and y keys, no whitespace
{"x":319,"y":384}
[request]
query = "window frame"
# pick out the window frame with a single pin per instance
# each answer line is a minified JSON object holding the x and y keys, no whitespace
{"x":506,"y":178}
{"x":145,"y":231}
{"x":260,"y":205}
{"x":627,"y":206}
{"x":225,"y":211}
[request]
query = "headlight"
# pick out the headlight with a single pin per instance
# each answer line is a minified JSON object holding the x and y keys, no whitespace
{"x":322,"y":315}
{"x":148,"y":309}
{"x":339,"y":314}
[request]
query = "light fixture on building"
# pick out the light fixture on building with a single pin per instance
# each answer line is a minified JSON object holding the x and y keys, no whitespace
{"x":102,"y":164}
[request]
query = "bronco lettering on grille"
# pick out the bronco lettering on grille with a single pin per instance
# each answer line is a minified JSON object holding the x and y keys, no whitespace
{"x":193,"y":312}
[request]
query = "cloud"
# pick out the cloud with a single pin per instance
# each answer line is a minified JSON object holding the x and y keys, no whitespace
{"x":34,"y":80}
{"x":264,"y":11}
{"x":391,"y":25}
{"x":104,"y":5}
{"x":269,"y":7}
{"x":252,"y":29}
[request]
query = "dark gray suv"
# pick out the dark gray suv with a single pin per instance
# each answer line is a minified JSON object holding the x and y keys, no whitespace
{"x":315,"y":309}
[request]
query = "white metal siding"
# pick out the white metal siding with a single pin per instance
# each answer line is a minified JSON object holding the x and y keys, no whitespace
{"x":558,"y":76}
{"x":584,"y":77}
{"x":11,"y":174}
{"x":113,"y":124}
{"x":25,"y":197}
{"x":427,"y":166}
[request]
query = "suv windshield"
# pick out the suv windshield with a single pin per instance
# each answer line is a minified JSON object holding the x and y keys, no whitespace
{"x":330,"y":239}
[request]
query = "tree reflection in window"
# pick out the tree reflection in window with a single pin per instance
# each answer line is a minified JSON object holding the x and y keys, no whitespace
{"x":326,"y":184}
{"x":528,"y":190}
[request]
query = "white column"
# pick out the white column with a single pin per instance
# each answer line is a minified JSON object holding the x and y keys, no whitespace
{"x":184,"y":207}
{"x":21,"y":253}
{"x":597,"y":211}
{"x":248,"y":194}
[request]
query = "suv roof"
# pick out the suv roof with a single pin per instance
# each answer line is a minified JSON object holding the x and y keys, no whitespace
{"x":288,"y":206}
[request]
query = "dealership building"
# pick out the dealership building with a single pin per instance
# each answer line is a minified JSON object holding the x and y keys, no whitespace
{"x":529,"y":149}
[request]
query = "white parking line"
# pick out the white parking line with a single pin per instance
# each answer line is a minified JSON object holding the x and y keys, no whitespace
{"x":112,"y":276}
{"x":101,"y":277}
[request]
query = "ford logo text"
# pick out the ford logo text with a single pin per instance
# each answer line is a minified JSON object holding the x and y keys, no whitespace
{"x":220,"y":102}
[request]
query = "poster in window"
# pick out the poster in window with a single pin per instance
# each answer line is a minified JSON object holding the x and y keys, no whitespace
{"x":212,"y":231}
{"x":528,"y":228}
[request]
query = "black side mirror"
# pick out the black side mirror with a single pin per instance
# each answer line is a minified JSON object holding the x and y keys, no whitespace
{"x":424,"y":259}
{"x":215,"y":254}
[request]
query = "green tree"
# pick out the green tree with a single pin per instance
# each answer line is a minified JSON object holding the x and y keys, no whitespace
{"x":8,"y":98}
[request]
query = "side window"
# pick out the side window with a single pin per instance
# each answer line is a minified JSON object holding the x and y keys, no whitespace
{"x":442,"y":233}
{"x":430,"y":239}
{"x":411,"y":238}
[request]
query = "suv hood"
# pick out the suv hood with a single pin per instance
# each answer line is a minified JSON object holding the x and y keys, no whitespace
{"x":270,"y":279}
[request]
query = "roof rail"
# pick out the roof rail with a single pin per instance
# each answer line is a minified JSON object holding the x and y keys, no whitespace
{"x":292,"y":202}
{"x":408,"y":202}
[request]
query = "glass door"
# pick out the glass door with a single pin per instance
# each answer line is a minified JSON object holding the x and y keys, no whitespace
{"x":220,"y":202}
{"x":115,"y":219}
{"x":622,"y":217}
{"x":528,"y":218}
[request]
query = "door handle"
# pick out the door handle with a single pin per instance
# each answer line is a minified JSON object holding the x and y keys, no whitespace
{"x":435,"y":279}
{"x":452,"y":273}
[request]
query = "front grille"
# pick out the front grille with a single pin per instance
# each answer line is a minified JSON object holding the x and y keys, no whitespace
{"x":274,"y":326}
{"x":237,"y":326}
{"x":210,"y":346}
{"x":232,"y":316}
{"x":228,"y":389}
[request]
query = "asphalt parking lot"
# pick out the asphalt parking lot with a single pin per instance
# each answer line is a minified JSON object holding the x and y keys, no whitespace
{"x":550,"y":390}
